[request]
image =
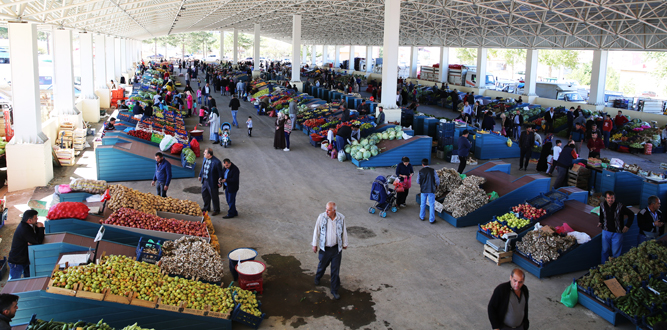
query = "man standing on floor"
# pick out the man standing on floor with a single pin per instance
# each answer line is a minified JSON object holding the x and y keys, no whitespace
{"x":231,"y":184}
{"x":207,"y":93}
{"x":429,"y":181}
{"x":162,"y":176}
{"x":330,"y":238}
{"x":293,"y":110}
{"x":508,"y":307}
{"x":564,"y":162}
{"x":28,"y":232}
{"x":650,"y":222}
{"x":613,"y":226}
{"x":518,"y":122}
{"x":526,"y":144}
{"x":380,"y":116}
{"x":8,"y":307}
{"x":210,"y":174}
{"x":463,"y":150}
{"x":234,"y":104}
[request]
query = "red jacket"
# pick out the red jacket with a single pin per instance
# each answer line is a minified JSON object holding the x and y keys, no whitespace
{"x":595,"y":145}
{"x":620,"y":120}
{"x":607,"y":125}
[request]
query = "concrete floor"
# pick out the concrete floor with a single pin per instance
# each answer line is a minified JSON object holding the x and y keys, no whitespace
{"x":398,"y":272}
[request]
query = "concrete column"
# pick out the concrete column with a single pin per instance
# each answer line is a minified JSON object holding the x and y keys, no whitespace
{"x":88,"y":101}
{"x":63,"y":75}
{"x":531,"y":75}
{"x":481,"y":69}
{"x":256,"y":47}
{"x":111,"y":54}
{"x":29,"y":161}
{"x":444,"y":64}
{"x":222,"y":45}
{"x":101,"y":89}
{"x":414,"y":58}
{"x":313,"y":55}
{"x":337,"y":56}
{"x":369,"y":58}
{"x":235,"y":48}
{"x":296,"y":48}
{"x":325,"y":54}
{"x":598,"y":78}
{"x":392,"y":19}
{"x":117,"y":57}
{"x":304,"y":53}
{"x":123,"y":58}
{"x":351,"y":58}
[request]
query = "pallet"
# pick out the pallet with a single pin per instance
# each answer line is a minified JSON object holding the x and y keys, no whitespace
{"x":498,"y":257}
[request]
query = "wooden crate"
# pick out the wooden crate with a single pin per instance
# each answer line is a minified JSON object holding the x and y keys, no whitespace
{"x":52,"y":289}
{"x":90,"y":295}
{"x":125,"y":300}
{"x":160,"y":305}
{"x":497,"y":257}
{"x":219,"y":315}
{"x":66,"y":157}
{"x":142,"y":303}
{"x":579,"y":178}
{"x":200,"y":312}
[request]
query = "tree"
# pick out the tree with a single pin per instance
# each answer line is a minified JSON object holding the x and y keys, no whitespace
{"x":582,"y":74}
{"x":559,"y":58}
{"x":154,"y":42}
{"x":658,"y":70}
{"x":613,"y":80}
{"x":512,"y":57}
{"x":44,"y":36}
{"x":629,"y":87}
{"x":467,"y":55}
{"x":4,"y":33}
{"x":244,"y":42}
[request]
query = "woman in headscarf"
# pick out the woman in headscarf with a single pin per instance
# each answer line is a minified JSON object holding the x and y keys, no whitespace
{"x":542,"y":164}
{"x":279,"y":137}
{"x":214,"y":125}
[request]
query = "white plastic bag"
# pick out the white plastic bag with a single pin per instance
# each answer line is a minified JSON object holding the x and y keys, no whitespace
{"x":166,"y":142}
{"x":455,"y":159}
{"x":581,"y":237}
{"x":615,"y":162}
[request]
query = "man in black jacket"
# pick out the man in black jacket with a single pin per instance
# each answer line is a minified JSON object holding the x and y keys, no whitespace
{"x":564,"y":162}
{"x":508,"y":307}
{"x":210,"y":174}
{"x":28,"y":232}
{"x":526,"y":143}
{"x":235,"y":105}
{"x":230,"y":180}
{"x":613,"y":227}
{"x":429,"y":181}
{"x":650,"y":222}
{"x":8,"y":307}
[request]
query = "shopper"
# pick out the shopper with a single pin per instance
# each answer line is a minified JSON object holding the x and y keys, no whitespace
{"x":620,"y":120}
{"x":210,"y":174}
{"x":8,"y":307}
{"x":211,"y":102}
{"x":455,"y":99}
{"x":466,"y":116}
{"x":206,"y":93}
{"x":488,"y":123}
{"x":650,"y":221}
{"x":288,"y":130}
{"x":379,"y":120}
{"x":214,"y":125}
{"x":162,"y":176}
{"x":518,"y":122}
{"x":189,"y":102}
{"x":330,"y":239}
{"x":556,"y":153}
{"x":549,"y":118}
{"x":578,"y":136}
{"x":248,"y":124}
{"x":234,"y":104}
{"x":607,"y":126}
{"x":404,"y":173}
{"x":230,"y":182}
{"x":526,"y":144}
{"x":28,"y":232}
{"x":595,"y":144}
{"x":613,"y":226}
{"x":570,"y":120}
{"x":565,"y":160}
{"x":508,"y":307}
{"x":593,"y":130}
{"x":293,"y":110}
{"x":428,"y":184}
{"x":463,"y":150}
{"x":111,"y":125}
{"x":279,"y":135}
{"x":346,"y":113}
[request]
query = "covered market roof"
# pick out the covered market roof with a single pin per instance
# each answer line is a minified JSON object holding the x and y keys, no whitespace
{"x":573,"y":24}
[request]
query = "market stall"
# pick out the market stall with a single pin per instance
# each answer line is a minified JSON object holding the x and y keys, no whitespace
{"x":490,"y":145}
{"x":511,"y":191}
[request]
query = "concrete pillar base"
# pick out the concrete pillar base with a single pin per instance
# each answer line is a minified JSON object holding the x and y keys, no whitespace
{"x":298,"y":85}
{"x":28,"y":165}
{"x":598,"y":106}
{"x":392,"y":113}
{"x":104,"y":95}
{"x":90,"y":109}
{"x":529,"y":98}
{"x":255,"y":74}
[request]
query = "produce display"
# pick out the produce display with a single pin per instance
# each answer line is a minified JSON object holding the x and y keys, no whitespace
{"x":496,"y":229}
{"x":55,"y":325}
{"x":631,"y":268}
{"x":122,"y":275}
{"x":544,"y":247}
{"x":88,"y":185}
{"x":466,"y":198}
{"x":137,"y":219}
{"x":124,"y":197}
{"x":191,"y":257}
{"x":513,"y":221}
{"x":450,"y":179}
{"x":528,"y":211}
{"x":634,"y":303}
{"x":2,"y":147}
{"x":367,"y":148}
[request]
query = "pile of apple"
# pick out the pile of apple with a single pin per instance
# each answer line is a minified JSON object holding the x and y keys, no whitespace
{"x":528,"y":211}
{"x":513,"y":221}
{"x":137,"y":219}
{"x":496,"y":228}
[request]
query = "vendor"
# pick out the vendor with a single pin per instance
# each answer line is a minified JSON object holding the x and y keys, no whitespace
{"x":138,"y":109}
{"x":123,"y":106}
{"x":620,"y":120}
{"x":364,"y":108}
{"x":356,"y":133}
{"x":342,"y":137}
{"x":595,"y":144}
{"x":110,"y":126}
{"x":346,"y":113}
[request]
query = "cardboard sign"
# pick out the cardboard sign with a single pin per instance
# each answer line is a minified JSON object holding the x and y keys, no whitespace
{"x":615,"y":287}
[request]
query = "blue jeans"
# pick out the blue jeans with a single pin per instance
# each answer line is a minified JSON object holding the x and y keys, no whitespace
{"x":606,"y":138}
{"x":205,"y":99}
{"x":231,"y":201}
{"x":611,"y":244}
{"x":159,"y":187}
{"x":234,"y":122}
{"x":287,"y":140}
{"x":431,"y":209}
{"x":330,"y":256}
{"x":16,"y":270}
{"x":340,"y":143}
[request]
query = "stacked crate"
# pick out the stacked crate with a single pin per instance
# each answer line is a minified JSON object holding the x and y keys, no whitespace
{"x":578,"y":177}
{"x":79,"y":139}
{"x":65,"y":157}
{"x":65,"y":135}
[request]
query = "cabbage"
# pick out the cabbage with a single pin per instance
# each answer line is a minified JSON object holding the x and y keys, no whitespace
{"x":385,"y":136}
{"x":364,"y":142}
{"x":362,"y":150}
{"x":358,"y":156}
{"x":374,"y":148}
{"x":398,"y":129}
{"x":367,"y":154}
{"x":399,"y":136}
{"x":374,"y":152}
{"x":355,"y":142}
{"x":348,"y":148}
{"x":392,"y":136}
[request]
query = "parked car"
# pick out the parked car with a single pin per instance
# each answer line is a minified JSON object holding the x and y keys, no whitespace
{"x":649,"y":93}
{"x":4,"y":54}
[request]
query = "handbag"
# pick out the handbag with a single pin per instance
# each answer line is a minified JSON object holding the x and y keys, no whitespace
{"x":408,"y":182}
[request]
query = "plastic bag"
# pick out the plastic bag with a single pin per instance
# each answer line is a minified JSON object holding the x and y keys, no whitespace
{"x":194,"y":145}
{"x":66,"y":210}
{"x":64,"y":189}
{"x":565,"y":228}
{"x":88,"y":185}
{"x":509,"y":142}
{"x":156,"y":138}
{"x":342,"y":157}
{"x":493,"y":196}
{"x":570,"y":296}
{"x":167,"y":142}
{"x":176,"y":148}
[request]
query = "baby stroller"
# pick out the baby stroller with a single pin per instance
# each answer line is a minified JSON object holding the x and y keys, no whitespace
{"x":225,"y":140}
{"x":384,"y":197}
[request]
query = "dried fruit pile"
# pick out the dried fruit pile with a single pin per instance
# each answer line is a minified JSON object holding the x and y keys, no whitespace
{"x":543,"y":247}
{"x":467,"y":197}
{"x":191,"y":257}
{"x":122,"y":196}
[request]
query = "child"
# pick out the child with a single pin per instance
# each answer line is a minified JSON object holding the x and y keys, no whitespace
{"x":199,"y":92}
{"x":249,"y":125}
{"x":202,"y":115}
{"x":556,"y":152}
